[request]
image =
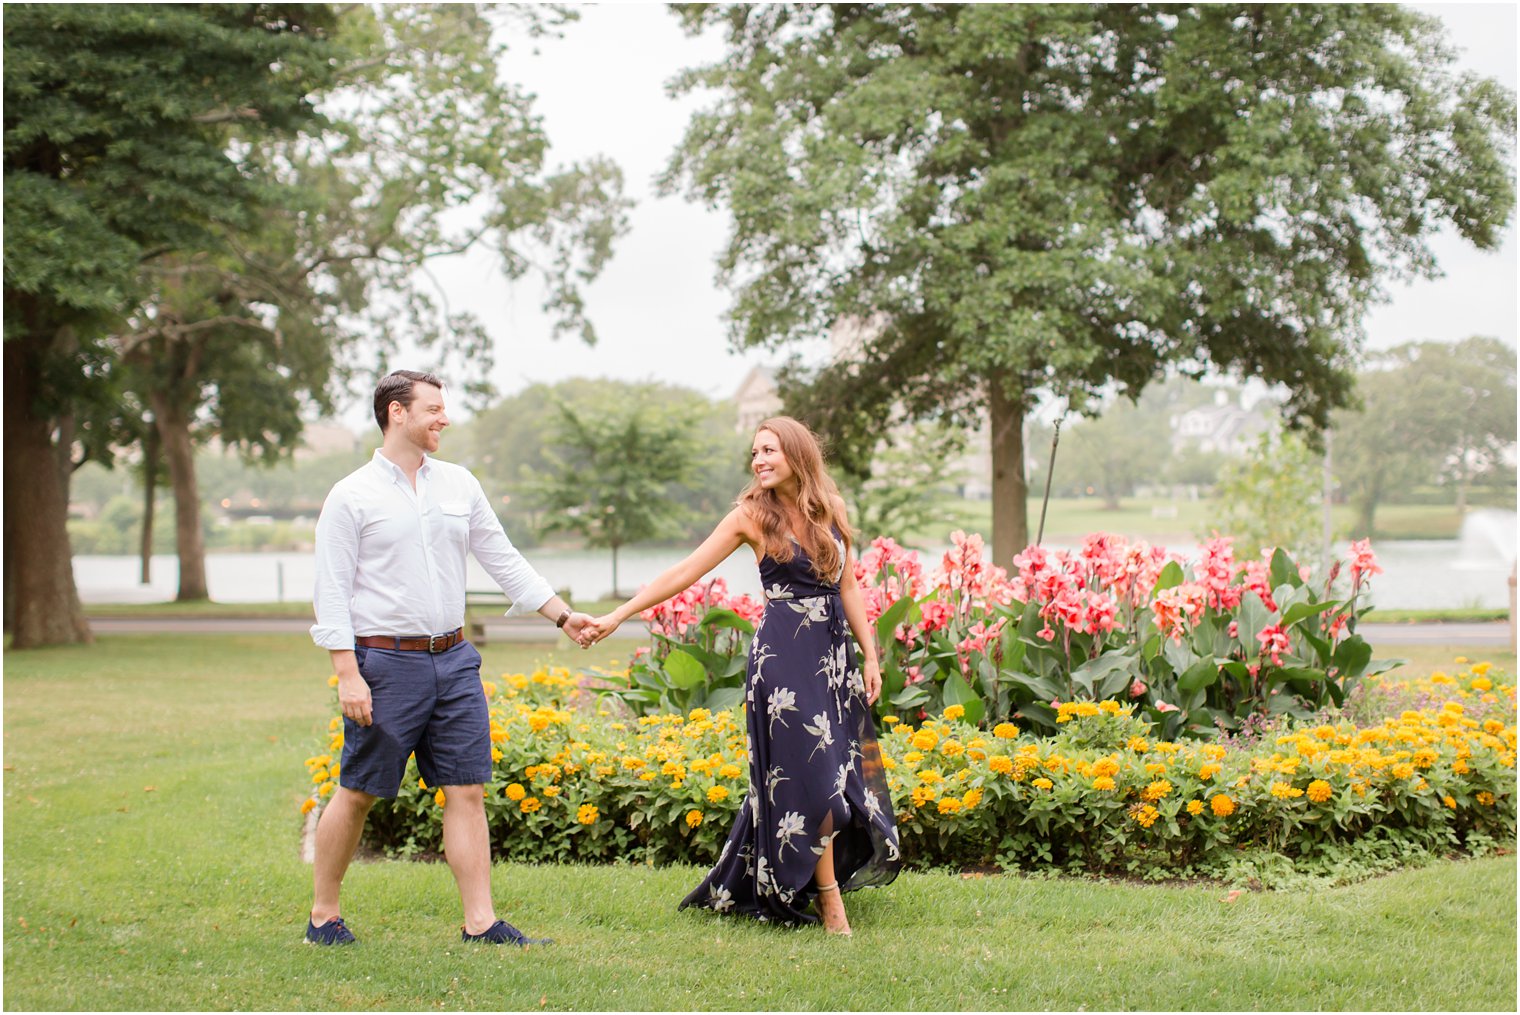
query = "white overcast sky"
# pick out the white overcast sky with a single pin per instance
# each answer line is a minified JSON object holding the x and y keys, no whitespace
{"x":657,"y":310}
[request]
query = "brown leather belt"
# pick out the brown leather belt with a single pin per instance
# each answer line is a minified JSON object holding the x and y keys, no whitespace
{"x":434,"y":643}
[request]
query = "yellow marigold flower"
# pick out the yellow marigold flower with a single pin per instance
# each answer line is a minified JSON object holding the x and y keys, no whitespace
{"x":1109,"y":706}
{"x":489,"y":688}
{"x":949,"y":805}
{"x":551,"y":791}
{"x":1005,"y":731}
{"x":890,"y":720}
{"x":1155,"y":791}
{"x":1449,"y":802}
{"x":1460,"y":767}
{"x":887,"y":763}
{"x":729,"y":771}
{"x":929,"y":775}
{"x":1145,"y":814}
{"x":438,"y":798}
{"x":1460,"y":660}
{"x":1208,"y":771}
{"x":925,"y":740}
{"x":308,"y":805}
{"x":320,"y":775}
{"x":912,"y":758}
{"x":1042,"y":783}
{"x":972,"y":798}
{"x":332,"y":681}
{"x":326,"y":788}
{"x":1195,"y":807}
{"x":1107,"y":765}
{"x":717,"y":794}
{"x":1221,"y":805}
{"x":1492,"y":727}
{"x":515,"y":791}
{"x":1285,"y":791}
{"x":1139,"y":745}
{"x":1481,"y":669}
{"x":1482,"y":684}
{"x":1403,"y":771}
{"x":587,"y":814}
{"x":1000,"y":763}
{"x":673,"y":769}
{"x":1103,"y":782}
{"x":1319,"y":791}
{"x":335,"y":723}
{"x":1425,"y":757}
{"x":646,"y":777}
{"x":1154,"y":768}
{"x":529,"y":805}
{"x":699,"y":715}
{"x":1485,"y":798}
{"x":954,"y":712}
{"x":693,"y":818}
{"x":951,"y":748}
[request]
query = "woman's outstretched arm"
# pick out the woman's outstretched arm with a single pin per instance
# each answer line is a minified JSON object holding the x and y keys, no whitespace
{"x":732,"y":532}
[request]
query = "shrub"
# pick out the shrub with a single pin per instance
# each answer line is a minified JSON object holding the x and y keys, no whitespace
{"x":575,"y":781}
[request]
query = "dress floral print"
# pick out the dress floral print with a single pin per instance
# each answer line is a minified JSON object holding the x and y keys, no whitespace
{"x":815,"y":770}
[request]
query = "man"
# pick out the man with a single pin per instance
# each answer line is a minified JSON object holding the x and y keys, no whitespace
{"x":390,"y":585}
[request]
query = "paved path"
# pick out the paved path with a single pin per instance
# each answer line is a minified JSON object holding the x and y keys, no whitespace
{"x":527,"y":629}
{"x":533,"y":629}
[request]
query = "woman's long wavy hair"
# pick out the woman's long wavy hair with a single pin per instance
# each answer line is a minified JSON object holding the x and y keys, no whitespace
{"x":816,"y":496}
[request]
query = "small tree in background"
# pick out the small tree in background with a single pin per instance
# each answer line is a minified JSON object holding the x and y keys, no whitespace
{"x":615,"y":476}
{"x":1270,"y":497}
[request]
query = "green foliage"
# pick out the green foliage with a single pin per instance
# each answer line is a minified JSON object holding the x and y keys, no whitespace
{"x":509,"y":443}
{"x":906,"y":483}
{"x":1068,"y":198}
{"x":1272,"y":497}
{"x":610,"y":473}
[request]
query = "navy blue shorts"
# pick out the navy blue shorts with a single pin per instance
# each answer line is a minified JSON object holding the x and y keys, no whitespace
{"x":431,"y":704}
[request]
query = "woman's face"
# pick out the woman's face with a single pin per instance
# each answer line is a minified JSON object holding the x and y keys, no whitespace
{"x":768,"y":462}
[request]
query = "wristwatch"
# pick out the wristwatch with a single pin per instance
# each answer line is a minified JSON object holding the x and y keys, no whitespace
{"x":560,"y":623}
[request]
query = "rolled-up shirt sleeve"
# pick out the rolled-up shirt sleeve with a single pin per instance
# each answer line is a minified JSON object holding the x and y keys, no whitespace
{"x":527,"y":589}
{"x":337,"y":557}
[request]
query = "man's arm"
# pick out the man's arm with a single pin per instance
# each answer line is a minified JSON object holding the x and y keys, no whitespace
{"x":527,"y":589}
{"x":337,"y":557}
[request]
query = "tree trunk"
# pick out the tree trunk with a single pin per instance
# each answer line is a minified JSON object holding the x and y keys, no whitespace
{"x":179,"y":454}
{"x":1010,"y":487}
{"x":150,"y":494}
{"x":41,"y":598}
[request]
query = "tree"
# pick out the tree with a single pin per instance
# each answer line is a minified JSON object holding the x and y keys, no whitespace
{"x":1115,"y":452}
{"x":1428,"y":410}
{"x":1271,"y":498}
{"x":909,"y":478}
{"x":116,"y":153}
{"x":241,"y":344}
{"x":1066,"y":199}
{"x":511,"y":443}
{"x":612,"y":474}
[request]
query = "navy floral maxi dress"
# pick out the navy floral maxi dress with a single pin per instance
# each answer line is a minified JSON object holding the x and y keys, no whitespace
{"x":814,"y":766}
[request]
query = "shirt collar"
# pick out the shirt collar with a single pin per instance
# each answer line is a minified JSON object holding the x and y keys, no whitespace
{"x":393,"y":470}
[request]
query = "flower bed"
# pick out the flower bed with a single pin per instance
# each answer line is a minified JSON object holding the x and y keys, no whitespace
{"x":1197,"y":646}
{"x":575,"y":782}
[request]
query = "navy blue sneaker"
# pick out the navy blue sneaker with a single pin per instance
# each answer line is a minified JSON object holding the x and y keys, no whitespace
{"x":333,"y":932}
{"x":503,"y":933}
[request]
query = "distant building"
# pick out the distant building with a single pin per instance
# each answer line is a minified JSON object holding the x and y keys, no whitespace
{"x":1224,"y":427}
{"x":757,"y":399}
{"x":320,"y":438}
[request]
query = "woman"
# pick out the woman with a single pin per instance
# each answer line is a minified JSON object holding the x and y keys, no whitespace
{"x":818,"y":815}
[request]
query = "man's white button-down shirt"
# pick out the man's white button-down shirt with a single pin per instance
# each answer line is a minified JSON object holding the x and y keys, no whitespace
{"x":391,"y":560}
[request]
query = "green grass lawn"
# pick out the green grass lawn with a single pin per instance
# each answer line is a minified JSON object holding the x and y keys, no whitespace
{"x":151,"y":862}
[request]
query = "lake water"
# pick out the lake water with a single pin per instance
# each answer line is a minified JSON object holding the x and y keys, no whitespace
{"x":1418,"y":574}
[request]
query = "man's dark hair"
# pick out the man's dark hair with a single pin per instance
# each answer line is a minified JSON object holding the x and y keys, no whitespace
{"x":397,"y":386}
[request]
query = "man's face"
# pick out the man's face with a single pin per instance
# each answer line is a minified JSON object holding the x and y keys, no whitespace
{"x":423,"y":421}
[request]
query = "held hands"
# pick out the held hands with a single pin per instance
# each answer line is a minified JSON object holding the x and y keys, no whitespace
{"x":582,"y":628}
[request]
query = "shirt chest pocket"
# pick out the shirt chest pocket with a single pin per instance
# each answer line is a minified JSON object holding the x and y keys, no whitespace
{"x":454,"y":519}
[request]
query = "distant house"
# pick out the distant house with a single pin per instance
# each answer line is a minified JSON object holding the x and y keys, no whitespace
{"x":757,"y":399}
{"x":1223,"y":427}
{"x":321,"y":438}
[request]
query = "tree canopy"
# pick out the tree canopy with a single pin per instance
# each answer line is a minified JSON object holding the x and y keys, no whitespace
{"x":1065,"y":199}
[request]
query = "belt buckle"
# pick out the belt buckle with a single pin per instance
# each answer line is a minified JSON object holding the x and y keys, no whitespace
{"x":433,"y":639}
